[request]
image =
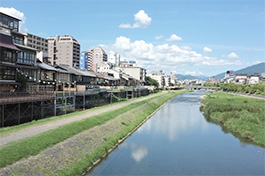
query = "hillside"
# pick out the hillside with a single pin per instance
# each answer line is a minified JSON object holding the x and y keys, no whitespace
{"x":258,"y":68}
{"x":183,"y":77}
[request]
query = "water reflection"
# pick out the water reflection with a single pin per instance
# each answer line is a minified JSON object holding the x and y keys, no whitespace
{"x":138,"y":152}
{"x":176,"y":118}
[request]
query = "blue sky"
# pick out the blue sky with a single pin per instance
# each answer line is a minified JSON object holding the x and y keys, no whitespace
{"x":200,"y":37}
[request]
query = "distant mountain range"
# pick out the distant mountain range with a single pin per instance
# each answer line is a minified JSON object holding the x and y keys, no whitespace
{"x":258,"y":68}
{"x":183,"y":77}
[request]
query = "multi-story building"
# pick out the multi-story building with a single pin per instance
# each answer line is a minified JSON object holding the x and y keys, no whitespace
{"x":8,"y":61}
{"x":39,"y":43}
{"x":95,"y":56}
{"x":64,"y":50}
{"x":9,"y":22}
{"x":114,"y":59}
{"x":83,"y":61}
{"x":135,"y":72}
{"x":25,"y":56}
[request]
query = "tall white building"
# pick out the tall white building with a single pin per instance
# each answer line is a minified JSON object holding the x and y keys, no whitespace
{"x":95,"y":56}
{"x":64,"y":50}
{"x":114,"y":59}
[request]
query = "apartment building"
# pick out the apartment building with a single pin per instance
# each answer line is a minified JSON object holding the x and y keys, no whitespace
{"x":64,"y":50}
{"x":95,"y":56}
{"x":135,"y":72}
{"x":39,"y":43}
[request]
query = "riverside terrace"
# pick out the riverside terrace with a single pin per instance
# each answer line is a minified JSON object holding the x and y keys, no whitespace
{"x":42,"y":101}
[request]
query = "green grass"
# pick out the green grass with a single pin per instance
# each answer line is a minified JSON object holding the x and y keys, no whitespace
{"x":14,"y":151}
{"x":242,"y":116}
{"x":7,"y":130}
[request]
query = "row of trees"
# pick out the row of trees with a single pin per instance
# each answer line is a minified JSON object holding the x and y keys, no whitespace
{"x":258,"y":89}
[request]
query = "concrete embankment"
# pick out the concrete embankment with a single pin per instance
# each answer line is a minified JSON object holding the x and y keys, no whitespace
{"x":74,"y":155}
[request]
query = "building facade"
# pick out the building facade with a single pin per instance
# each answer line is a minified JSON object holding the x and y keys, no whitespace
{"x":25,"y":59}
{"x":64,"y":50}
{"x":95,"y":56}
{"x":135,"y":72}
{"x":39,"y":43}
{"x":83,"y":61}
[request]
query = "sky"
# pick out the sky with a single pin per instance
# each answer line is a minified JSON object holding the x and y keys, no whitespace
{"x":196,"y":37}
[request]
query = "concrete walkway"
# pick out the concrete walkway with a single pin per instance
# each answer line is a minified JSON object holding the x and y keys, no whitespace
{"x":37,"y":129}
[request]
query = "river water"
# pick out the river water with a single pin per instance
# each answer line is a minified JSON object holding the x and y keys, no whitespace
{"x":178,"y":140}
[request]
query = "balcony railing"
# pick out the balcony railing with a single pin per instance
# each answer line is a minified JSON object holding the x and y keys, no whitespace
{"x":23,"y":97}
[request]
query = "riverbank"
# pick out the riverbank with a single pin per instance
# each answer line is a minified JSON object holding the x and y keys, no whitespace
{"x":74,"y":154}
{"x":242,"y":116}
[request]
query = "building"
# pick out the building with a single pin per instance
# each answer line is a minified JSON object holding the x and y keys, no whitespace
{"x":229,"y":77}
{"x":64,"y":50}
{"x":136,"y":72}
{"x":103,"y":67}
{"x":25,"y":55}
{"x":39,"y":43}
{"x":83,"y":61}
{"x":254,"y":79}
{"x":114,"y":59}
{"x":95,"y":56}
{"x":241,"y":78}
{"x":159,"y":77}
{"x":9,"y":22}
{"x":173,"y":79}
{"x":8,"y":61}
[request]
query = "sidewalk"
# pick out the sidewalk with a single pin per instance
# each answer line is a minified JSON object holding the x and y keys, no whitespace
{"x":37,"y":129}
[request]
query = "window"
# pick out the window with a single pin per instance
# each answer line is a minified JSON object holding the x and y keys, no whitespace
{"x":7,"y":73}
{"x":26,"y":58}
{"x":18,"y":39}
{"x":8,"y":56}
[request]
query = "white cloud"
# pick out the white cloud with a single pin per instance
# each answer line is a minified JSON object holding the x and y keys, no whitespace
{"x":164,"y":56}
{"x":142,"y":20}
{"x":159,"y":37}
{"x":233,"y":55}
{"x":173,"y":37}
{"x":207,"y":50}
{"x":188,"y":48}
{"x":17,"y":14}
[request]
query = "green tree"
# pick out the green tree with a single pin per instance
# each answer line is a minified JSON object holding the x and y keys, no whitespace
{"x":151,"y":81}
{"x":22,"y":80}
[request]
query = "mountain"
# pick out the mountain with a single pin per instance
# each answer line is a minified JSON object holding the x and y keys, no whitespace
{"x":183,"y":77}
{"x":258,"y":68}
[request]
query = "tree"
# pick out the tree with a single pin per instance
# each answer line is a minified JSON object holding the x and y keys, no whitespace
{"x":22,"y":81}
{"x":151,"y":81}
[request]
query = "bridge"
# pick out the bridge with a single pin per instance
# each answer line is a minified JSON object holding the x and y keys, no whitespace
{"x":202,"y":88}
{"x":193,"y":88}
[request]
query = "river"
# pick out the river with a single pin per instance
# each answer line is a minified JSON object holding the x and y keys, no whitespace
{"x":178,"y":140}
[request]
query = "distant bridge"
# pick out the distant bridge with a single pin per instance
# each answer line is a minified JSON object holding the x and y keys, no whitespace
{"x":193,"y":88}
{"x":201,"y":88}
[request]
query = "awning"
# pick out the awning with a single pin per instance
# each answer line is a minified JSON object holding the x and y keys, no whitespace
{"x":6,"y":41}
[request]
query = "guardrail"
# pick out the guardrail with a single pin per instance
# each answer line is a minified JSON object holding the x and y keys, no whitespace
{"x":20,"y":97}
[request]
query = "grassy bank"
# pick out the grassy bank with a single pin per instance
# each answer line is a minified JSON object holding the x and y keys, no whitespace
{"x":15,"y":151}
{"x":244,"y":117}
